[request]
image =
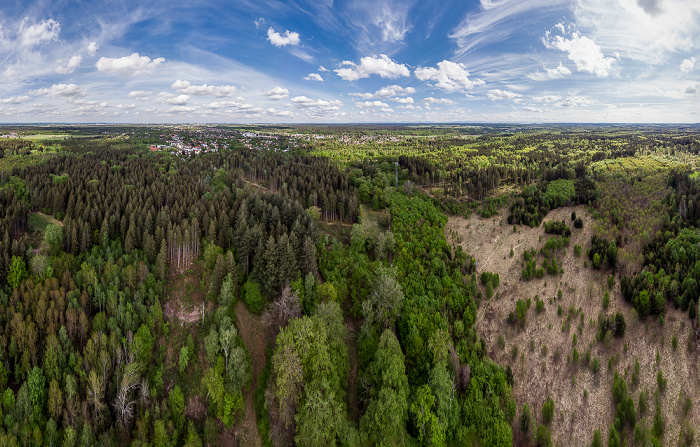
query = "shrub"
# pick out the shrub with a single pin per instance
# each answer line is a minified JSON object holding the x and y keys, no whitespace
{"x":661,"y":381}
{"x":674,"y":342}
{"x":525,"y":419}
{"x":253,"y":298}
{"x":577,"y":250}
{"x":544,"y":437}
{"x":539,"y":307}
{"x":606,"y":300}
{"x":548,"y":410}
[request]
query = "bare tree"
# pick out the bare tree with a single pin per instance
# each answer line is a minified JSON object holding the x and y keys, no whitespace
{"x":285,"y":308}
{"x":125,"y":402}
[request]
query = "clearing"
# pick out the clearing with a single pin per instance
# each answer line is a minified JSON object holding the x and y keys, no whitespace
{"x":254,"y":334}
{"x":539,"y":352}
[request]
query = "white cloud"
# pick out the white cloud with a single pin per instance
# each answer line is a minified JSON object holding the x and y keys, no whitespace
{"x":15,"y":100}
{"x":407,"y":100}
{"x":640,"y":32}
{"x":322,"y":68}
{"x":550,"y":73}
{"x":171,"y":98}
{"x":126,"y":106}
{"x":497,"y":95}
{"x":92,"y":48}
{"x":688,"y":64}
{"x":133,"y":65}
{"x":585,"y":53}
{"x":387,"y":92}
{"x":259,"y":22}
{"x":277,"y":93}
{"x":314,"y":77}
{"x":369,"y":65}
{"x":532,"y":109}
{"x":546,"y":98}
{"x":217,"y":91}
{"x":67,"y":66}
{"x":575,"y":101}
{"x":182,"y":109}
{"x":139,"y":95}
{"x":60,"y":90}
{"x":38,"y":33}
{"x":371,"y":105}
{"x":430,"y":100}
{"x":497,"y":20}
{"x":449,"y":76}
{"x":316,"y":105}
{"x":239,"y":105}
{"x":279,"y":40}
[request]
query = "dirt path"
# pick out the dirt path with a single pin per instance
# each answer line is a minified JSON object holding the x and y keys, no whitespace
{"x":254,"y":336}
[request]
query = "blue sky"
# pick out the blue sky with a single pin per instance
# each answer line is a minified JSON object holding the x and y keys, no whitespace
{"x":269,"y":61}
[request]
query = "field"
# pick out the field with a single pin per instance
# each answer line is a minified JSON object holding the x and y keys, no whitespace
{"x":540,"y":352}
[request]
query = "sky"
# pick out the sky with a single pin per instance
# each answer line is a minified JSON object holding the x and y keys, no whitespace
{"x":326,"y":61}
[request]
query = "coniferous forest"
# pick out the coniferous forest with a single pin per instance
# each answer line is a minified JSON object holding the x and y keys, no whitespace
{"x":384,"y":285}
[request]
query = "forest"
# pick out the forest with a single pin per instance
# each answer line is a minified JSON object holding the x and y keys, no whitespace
{"x":382,"y":285}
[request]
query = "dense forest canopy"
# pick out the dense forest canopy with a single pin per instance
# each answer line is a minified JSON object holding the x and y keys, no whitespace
{"x":134,"y":261}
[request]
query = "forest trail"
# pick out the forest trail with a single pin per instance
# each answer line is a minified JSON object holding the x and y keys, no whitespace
{"x":254,"y":334}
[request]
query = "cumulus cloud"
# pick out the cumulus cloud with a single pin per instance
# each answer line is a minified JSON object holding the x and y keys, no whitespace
{"x":389,"y":91}
{"x":369,"y":65}
{"x":182,"y":109}
{"x":15,"y":100}
{"x":217,"y":91}
{"x":92,"y":48}
{"x":277,"y":93}
{"x":314,"y":77}
{"x":407,"y":100}
{"x":133,"y":65}
{"x":430,"y":100}
{"x":171,"y":98}
{"x":60,"y":90}
{"x":546,"y":98}
{"x":239,"y":105}
{"x":448,"y":76}
{"x":532,"y":109}
{"x":139,"y":95}
{"x":575,"y":101}
{"x":497,"y":95}
{"x":688,"y":64}
{"x":585,"y":53}
{"x":316,"y":105}
{"x":279,"y":40}
{"x":322,"y":68}
{"x":371,"y":105}
{"x":42,"y":32}
{"x":550,"y":73}
{"x":64,"y":66}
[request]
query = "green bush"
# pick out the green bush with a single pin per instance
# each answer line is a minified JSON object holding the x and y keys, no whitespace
{"x":548,"y":410}
{"x":253,"y":298}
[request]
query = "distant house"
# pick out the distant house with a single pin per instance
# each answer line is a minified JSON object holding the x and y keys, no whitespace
{"x":154,"y":148}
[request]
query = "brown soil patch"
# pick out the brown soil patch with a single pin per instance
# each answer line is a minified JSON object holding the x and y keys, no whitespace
{"x":254,"y":334}
{"x":538,"y":374}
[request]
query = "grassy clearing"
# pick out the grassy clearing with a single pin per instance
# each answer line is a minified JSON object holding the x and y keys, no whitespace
{"x":22,"y":161}
{"x":39,"y":221}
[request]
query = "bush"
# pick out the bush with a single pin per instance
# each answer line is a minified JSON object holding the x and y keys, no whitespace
{"x":544,"y":437}
{"x":606,"y":300}
{"x":661,"y":381}
{"x":525,"y":419}
{"x":577,"y":250}
{"x":548,"y":410}
{"x":253,"y":298}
